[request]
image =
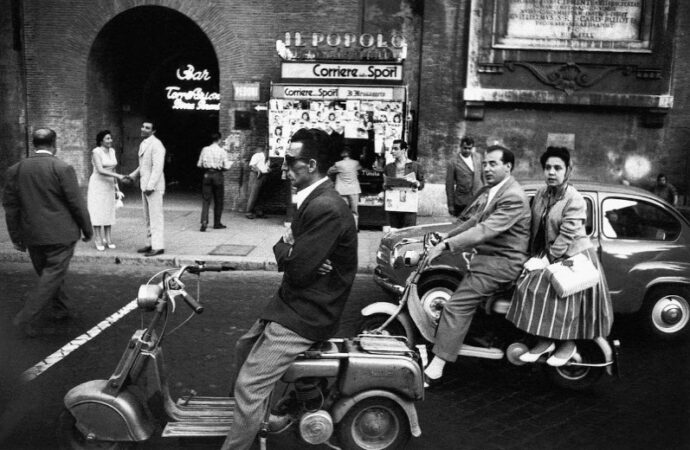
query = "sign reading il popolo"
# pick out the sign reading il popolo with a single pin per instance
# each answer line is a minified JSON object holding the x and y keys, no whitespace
{"x":333,"y":71}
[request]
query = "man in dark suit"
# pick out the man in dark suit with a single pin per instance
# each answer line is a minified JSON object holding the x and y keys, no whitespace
{"x":45,"y":214}
{"x":496,"y":238}
{"x":318,"y":255}
{"x":463,"y":177}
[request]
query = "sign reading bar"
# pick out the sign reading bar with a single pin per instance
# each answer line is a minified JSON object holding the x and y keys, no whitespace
{"x":300,"y":92}
{"x":192,"y":98}
{"x":328,"y":71}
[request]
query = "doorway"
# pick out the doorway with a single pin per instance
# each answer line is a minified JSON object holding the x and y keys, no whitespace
{"x":154,"y":63}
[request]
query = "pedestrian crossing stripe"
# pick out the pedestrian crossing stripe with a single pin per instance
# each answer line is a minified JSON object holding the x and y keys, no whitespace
{"x":33,"y":372}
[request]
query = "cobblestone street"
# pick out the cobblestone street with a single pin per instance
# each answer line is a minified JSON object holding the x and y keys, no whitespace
{"x":488,"y":405}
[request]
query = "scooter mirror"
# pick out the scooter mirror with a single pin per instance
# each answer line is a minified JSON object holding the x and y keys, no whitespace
{"x":411,"y":258}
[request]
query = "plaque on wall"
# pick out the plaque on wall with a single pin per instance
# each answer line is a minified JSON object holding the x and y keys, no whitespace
{"x":615,"y":53}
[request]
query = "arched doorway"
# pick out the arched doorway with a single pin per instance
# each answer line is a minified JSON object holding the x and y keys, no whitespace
{"x":154,"y":62}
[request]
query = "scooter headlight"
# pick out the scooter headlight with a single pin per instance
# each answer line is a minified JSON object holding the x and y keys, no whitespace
{"x":148,"y":295}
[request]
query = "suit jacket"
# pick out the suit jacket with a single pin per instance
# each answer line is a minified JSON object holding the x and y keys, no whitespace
{"x":43,"y":204}
{"x":410,"y":167}
{"x":308,"y":303}
{"x":151,"y":163}
{"x":565,"y":223}
{"x":499,"y":233}
{"x":462,"y":184}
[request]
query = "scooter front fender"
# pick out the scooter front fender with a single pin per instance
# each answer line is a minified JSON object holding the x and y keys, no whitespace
{"x":106,"y":417}
{"x":390,"y":309}
{"x":343,"y":405}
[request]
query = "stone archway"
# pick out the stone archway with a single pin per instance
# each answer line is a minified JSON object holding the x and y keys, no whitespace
{"x":141,"y":58}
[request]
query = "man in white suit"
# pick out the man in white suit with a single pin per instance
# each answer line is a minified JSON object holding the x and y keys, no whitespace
{"x":152,"y":184}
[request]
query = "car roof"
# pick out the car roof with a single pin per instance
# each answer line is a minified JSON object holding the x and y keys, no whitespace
{"x":587,"y":185}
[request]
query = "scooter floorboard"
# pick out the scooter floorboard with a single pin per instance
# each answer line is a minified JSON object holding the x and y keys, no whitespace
{"x":207,"y":402}
{"x":197,"y":429}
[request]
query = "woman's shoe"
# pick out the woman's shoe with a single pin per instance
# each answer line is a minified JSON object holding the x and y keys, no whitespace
{"x":565,"y":351}
{"x":111,"y":245}
{"x":535,"y":353}
{"x":100,"y":247}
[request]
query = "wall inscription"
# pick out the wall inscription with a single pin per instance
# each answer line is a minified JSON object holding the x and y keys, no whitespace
{"x":603,"y":20}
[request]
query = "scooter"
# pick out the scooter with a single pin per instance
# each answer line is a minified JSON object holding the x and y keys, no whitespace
{"x":491,"y":336}
{"x":355,"y":393}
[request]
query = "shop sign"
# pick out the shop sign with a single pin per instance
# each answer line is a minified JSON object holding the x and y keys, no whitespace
{"x":248,"y":92}
{"x":328,"y":71}
{"x":192,"y":98}
{"x":343,"y":46}
{"x":301,"y":92}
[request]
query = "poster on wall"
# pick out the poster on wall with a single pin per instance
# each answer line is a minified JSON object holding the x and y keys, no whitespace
{"x":365,"y":113}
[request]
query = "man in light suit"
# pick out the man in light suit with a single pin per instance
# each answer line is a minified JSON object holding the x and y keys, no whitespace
{"x":463,"y":177}
{"x":152,"y":184}
{"x":45,"y":215}
{"x":318,"y":255}
{"x":497,"y":235}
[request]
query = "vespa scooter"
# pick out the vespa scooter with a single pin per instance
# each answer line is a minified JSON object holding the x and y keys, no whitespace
{"x":354,"y":393}
{"x":491,"y":336}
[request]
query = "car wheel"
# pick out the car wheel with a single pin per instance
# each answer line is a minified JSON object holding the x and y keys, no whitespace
{"x":70,"y":438}
{"x":434,"y":291}
{"x":666,"y":312}
{"x":579,"y":378}
{"x":375,"y":423}
{"x":395,"y":328}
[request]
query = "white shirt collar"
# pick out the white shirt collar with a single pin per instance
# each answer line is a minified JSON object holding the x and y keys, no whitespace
{"x":468,"y":161}
{"x":302,"y":195}
{"x":494,"y":189}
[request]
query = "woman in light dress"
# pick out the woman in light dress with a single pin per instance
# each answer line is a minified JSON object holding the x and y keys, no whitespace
{"x":103,"y":190}
{"x":559,"y":213}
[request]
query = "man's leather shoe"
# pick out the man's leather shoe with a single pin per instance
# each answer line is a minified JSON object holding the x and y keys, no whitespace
{"x":220,"y":226}
{"x":144,"y":249}
{"x":203,"y":227}
{"x":154,"y":252}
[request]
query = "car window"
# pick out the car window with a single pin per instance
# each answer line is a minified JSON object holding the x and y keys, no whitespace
{"x":635,"y":219}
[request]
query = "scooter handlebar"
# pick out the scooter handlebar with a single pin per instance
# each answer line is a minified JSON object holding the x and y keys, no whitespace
{"x":191,"y":302}
{"x":209,"y":268}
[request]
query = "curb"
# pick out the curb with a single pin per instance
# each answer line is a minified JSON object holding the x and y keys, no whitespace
{"x":242,"y":264}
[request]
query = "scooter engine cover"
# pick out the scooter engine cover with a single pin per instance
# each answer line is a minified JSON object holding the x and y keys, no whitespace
{"x":316,"y":427}
{"x":105,"y":417}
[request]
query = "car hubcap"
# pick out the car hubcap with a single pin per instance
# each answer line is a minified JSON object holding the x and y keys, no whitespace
{"x":671,"y":314}
{"x":375,"y":428}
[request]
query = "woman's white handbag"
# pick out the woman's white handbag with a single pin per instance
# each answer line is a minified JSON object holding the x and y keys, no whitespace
{"x":573,"y":275}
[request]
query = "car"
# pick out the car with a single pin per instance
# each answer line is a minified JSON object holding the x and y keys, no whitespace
{"x":643,"y":243}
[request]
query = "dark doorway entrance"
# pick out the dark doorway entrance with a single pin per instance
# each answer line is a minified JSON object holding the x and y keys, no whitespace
{"x":154,"y":62}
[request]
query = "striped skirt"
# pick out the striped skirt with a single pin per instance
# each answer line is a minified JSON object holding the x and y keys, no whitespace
{"x":538,"y":310}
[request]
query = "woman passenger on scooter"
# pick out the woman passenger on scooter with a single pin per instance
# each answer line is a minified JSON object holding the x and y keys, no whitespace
{"x":558,"y":232}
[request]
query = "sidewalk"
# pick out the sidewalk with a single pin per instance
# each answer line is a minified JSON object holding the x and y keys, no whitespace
{"x":245,"y":244}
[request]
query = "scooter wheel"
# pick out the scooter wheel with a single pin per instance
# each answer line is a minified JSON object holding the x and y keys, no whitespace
{"x":70,"y":438}
{"x":579,"y":378}
{"x":375,"y":423}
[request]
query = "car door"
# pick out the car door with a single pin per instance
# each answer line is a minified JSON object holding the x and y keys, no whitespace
{"x":638,"y":239}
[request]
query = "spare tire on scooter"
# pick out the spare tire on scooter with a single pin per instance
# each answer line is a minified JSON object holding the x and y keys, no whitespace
{"x":575,"y":377}
{"x":70,"y":438}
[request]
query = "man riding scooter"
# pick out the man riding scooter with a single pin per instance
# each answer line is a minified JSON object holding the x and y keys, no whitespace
{"x":496,"y":238}
{"x":318,"y":255}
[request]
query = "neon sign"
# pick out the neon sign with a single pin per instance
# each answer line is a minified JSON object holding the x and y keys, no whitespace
{"x":195,"y":98}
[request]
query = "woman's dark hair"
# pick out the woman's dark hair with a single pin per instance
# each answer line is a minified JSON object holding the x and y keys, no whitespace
{"x":556,"y":152}
{"x":101,"y":135}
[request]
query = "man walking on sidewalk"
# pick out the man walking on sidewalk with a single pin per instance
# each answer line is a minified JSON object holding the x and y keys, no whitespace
{"x":214,"y":160}
{"x":152,"y":184}
{"x":45,"y":215}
